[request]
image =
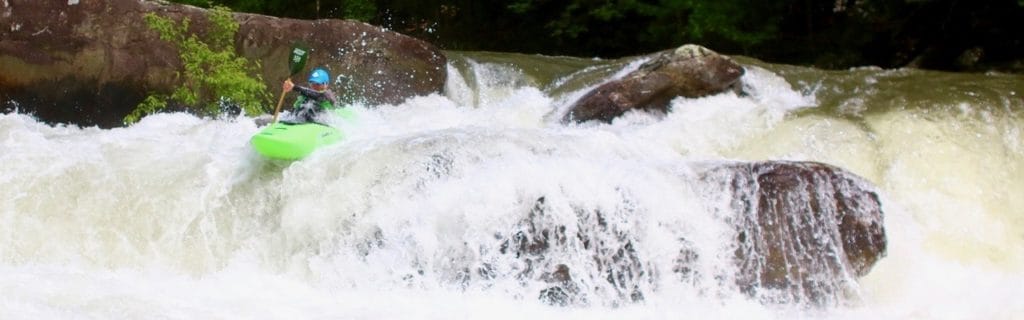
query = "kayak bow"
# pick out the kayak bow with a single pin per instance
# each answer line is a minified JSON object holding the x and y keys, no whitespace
{"x":287,"y":141}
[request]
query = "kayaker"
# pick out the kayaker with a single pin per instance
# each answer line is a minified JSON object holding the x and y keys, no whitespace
{"x":312,"y":100}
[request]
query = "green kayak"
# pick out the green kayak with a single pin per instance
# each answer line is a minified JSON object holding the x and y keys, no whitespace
{"x":286,"y":141}
{"x":292,"y":141}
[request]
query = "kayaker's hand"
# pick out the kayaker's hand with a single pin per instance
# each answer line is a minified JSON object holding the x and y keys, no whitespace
{"x":288,"y":85}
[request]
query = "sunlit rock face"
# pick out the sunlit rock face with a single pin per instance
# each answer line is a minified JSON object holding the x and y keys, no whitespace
{"x":91,"y":62}
{"x":689,"y":71}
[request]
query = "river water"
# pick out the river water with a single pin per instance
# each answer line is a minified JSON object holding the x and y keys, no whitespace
{"x":176,"y":217}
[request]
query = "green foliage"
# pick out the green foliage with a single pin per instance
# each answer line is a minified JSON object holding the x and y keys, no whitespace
{"x":835,"y":34}
{"x":152,"y":104}
{"x":362,"y":10}
{"x":198,"y":3}
{"x":731,"y":20}
{"x":744,"y":24}
{"x":213,"y":74}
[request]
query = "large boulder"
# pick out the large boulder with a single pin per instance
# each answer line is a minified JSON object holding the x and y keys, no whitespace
{"x":689,"y":71}
{"x":804,"y":230}
{"x":798,"y":232}
{"x":90,"y":62}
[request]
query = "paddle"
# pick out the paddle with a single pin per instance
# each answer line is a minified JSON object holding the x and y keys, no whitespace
{"x":296,"y":61}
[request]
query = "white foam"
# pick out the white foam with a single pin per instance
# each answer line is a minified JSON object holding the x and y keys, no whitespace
{"x":176,"y":217}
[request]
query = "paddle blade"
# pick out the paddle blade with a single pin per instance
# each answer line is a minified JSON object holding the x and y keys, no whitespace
{"x":297,"y":59}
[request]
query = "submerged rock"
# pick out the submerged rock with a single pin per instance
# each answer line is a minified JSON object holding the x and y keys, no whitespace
{"x":91,"y":62}
{"x":802,"y":233}
{"x":804,"y":230}
{"x":689,"y":71}
{"x":618,"y":271}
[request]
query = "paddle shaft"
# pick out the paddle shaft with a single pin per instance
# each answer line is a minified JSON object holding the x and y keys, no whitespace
{"x":296,"y":62}
{"x":279,"y":103}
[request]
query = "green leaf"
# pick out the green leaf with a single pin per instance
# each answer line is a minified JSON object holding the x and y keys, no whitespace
{"x":212,"y":72}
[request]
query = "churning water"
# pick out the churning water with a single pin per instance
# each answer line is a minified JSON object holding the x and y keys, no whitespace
{"x":176,"y":217}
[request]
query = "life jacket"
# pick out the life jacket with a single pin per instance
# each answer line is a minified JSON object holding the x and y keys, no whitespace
{"x":323,"y":104}
{"x":310,"y":103}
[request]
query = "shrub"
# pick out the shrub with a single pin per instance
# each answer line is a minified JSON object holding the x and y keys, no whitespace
{"x":214,"y":76}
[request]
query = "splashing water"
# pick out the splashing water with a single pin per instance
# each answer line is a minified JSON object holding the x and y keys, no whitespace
{"x":419,"y":212}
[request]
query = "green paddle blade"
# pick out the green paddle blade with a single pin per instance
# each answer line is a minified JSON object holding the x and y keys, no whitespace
{"x":297,"y":60}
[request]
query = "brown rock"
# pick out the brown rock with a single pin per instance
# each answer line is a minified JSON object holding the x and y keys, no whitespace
{"x":689,"y":71}
{"x":804,"y":230}
{"x":90,"y":62}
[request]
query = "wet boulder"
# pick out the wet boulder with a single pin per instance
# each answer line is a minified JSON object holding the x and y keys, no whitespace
{"x":689,"y":71}
{"x":92,"y":62}
{"x":798,"y":232}
{"x":616,"y":271}
{"x":804,"y":230}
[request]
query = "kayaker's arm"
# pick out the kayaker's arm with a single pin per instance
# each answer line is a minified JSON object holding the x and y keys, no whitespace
{"x":316,"y":95}
{"x":309,"y":93}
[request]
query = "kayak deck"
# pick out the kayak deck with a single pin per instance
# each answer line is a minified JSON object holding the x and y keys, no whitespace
{"x":289,"y":141}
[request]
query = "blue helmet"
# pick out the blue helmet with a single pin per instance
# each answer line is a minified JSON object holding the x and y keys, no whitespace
{"x":319,"y":76}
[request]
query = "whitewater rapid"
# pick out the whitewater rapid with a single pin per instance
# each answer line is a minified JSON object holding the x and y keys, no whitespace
{"x":176,"y":217}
